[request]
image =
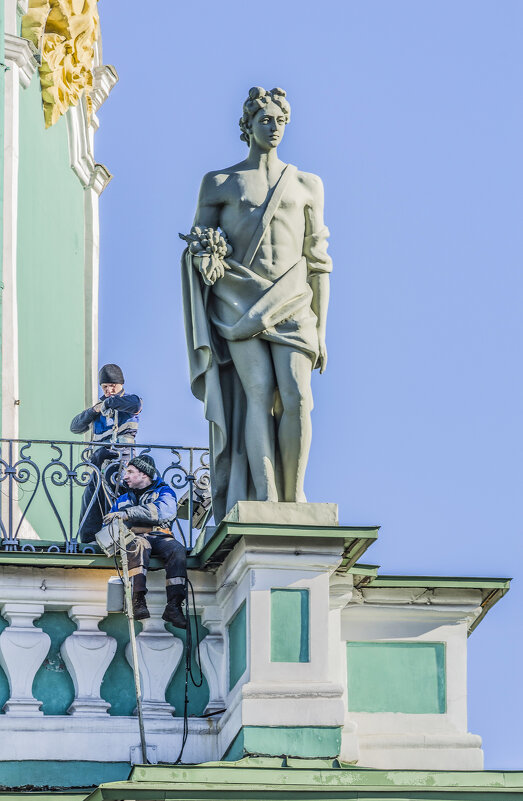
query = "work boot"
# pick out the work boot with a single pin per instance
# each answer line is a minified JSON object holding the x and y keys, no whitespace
{"x":140,"y":611}
{"x":173,"y":614}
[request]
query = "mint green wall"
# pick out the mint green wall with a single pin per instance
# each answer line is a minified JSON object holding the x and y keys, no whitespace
{"x":47,"y":773}
{"x":237,"y":638}
{"x":396,"y":677}
{"x":50,"y":275}
{"x":118,"y":684}
{"x":290,"y":626}
{"x":50,"y":287}
{"x":2,"y":106}
{"x":52,"y":684}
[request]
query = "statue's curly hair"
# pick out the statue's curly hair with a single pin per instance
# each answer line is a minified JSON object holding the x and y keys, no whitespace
{"x":258,"y":98}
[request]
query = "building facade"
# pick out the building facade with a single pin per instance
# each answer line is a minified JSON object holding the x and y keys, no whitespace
{"x":320,"y":675}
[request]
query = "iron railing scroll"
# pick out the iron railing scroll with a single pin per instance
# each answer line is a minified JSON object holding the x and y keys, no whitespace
{"x":42,"y":483}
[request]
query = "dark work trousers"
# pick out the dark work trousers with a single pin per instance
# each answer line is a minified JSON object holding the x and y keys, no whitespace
{"x":167,"y":548}
{"x":94,"y":520}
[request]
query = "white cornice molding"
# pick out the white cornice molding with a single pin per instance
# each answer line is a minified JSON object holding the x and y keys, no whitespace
{"x":104,"y":80}
{"x":92,"y":175}
{"x":21,"y":52}
{"x":100,"y":177}
{"x":80,"y":151}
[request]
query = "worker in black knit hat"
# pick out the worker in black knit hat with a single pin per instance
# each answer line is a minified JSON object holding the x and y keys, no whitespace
{"x":114,"y":418}
{"x":148,"y":509}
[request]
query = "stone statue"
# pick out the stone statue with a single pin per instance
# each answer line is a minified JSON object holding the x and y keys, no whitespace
{"x":255,"y":279}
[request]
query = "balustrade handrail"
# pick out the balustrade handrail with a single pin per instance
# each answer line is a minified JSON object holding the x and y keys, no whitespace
{"x":25,"y":472}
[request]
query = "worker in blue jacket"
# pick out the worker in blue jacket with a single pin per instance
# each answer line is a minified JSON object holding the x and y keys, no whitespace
{"x":148,"y":509}
{"x":113,"y":419}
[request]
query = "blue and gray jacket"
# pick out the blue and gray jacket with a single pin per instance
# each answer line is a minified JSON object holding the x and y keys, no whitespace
{"x":155,"y":508}
{"x":118,"y":419}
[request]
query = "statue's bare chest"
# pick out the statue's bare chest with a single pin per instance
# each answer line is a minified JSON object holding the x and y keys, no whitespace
{"x":247,"y":194}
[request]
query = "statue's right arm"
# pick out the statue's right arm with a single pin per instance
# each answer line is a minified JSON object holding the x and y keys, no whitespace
{"x":208,"y":208}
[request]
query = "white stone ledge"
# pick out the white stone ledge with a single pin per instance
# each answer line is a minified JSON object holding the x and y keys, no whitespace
{"x":296,"y":690}
{"x":21,"y":52}
{"x":57,"y":737}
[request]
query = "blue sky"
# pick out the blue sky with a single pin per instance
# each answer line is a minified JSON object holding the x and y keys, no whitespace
{"x":411,"y":113}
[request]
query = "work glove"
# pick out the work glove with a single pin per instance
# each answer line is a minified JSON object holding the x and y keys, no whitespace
{"x":110,"y":516}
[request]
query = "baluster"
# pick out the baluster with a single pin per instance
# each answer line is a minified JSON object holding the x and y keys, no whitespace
{"x":23,"y":648}
{"x":87,"y":654}
{"x":212,"y":654}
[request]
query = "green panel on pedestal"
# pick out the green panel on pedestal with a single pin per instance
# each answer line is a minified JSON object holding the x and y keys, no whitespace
{"x":289,"y":625}
{"x":52,"y":684}
{"x":406,"y":677}
{"x":237,"y":629}
{"x":307,"y":742}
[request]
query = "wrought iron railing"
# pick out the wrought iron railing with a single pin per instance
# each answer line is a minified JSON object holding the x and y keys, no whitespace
{"x":42,"y":483}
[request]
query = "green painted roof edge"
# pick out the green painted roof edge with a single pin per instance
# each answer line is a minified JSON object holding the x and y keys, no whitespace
{"x":233,"y":530}
{"x":498,"y":588}
{"x":44,"y":795}
{"x":457,"y":582}
{"x":277,"y":775}
{"x":44,"y":559}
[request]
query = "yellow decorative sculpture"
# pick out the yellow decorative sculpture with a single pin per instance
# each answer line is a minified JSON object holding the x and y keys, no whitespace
{"x":64,"y":32}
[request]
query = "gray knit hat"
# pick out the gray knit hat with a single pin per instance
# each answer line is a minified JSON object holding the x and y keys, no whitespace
{"x":110,"y":374}
{"x":145,"y":464}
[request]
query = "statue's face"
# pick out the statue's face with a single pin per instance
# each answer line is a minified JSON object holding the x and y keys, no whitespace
{"x":268,"y":126}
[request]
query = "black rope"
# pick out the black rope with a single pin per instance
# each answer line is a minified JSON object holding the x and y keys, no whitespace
{"x":188,"y":665}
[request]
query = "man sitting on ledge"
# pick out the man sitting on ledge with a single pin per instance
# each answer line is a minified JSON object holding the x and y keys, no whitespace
{"x":148,"y":509}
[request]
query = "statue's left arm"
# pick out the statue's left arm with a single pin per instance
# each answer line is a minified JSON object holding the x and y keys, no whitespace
{"x":319,"y":264}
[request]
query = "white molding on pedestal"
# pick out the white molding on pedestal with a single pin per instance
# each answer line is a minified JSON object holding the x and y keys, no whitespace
{"x":23,"y":648}
{"x":21,"y":52}
{"x":159,"y":654}
{"x":87,"y":654}
{"x":212,"y":654}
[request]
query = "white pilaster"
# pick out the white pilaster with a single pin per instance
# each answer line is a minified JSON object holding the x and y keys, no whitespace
{"x":23,"y":648}
{"x":87,"y":654}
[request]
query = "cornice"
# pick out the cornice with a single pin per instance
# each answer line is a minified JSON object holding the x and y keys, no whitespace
{"x":92,"y":175}
{"x":21,"y":52}
{"x":105,"y":78}
{"x":100,"y":177}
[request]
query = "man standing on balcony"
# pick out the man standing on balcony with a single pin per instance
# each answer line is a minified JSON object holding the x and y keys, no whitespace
{"x":148,"y":509}
{"x":113,"y":419}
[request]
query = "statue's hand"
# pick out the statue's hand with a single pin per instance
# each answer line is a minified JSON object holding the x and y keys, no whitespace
{"x":211,"y":267}
{"x":209,"y":249}
{"x":322,"y":355}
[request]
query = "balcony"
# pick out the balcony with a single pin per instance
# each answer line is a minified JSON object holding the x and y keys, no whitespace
{"x":42,"y":482}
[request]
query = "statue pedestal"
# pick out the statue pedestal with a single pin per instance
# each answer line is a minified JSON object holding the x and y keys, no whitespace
{"x":284,"y":691}
{"x":325,"y":658}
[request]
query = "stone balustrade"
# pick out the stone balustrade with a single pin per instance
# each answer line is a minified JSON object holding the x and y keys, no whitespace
{"x":302,"y":652}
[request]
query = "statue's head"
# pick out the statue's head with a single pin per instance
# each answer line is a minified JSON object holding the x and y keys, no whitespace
{"x":260,"y":104}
